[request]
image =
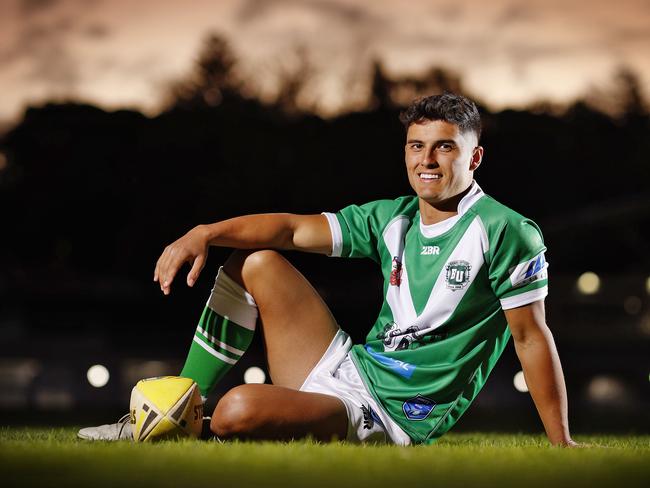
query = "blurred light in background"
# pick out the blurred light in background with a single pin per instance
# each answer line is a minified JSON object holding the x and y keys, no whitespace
{"x":3,"y":161}
{"x":632,"y":305}
{"x":607,"y":390}
{"x":588,"y":283}
{"x":647,"y":285}
{"x":16,"y":377}
{"x":53,"y":399}
{"x":520,"y":382}
{"x":254,"y":375}
{"x":98,"y":375}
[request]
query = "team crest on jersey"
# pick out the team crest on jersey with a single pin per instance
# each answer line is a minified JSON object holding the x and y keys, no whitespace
{"x":418,"y":407}
{"x":457,"y":274}
{"x":396,"y":272}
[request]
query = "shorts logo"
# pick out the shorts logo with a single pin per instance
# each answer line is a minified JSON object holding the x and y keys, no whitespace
{"x":418,"y":407}
{"x":457,"y":274}
{"x":370,"y":418}
{"x":396,"y":272}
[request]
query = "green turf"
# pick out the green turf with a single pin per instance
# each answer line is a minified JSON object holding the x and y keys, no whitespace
{"x":54,"y":457}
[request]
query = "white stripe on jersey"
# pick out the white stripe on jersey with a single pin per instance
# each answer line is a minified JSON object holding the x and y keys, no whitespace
{"x":337,"y":234}
{"x":524,"y":298}
{"x":442,"y":300}
{"x":399,"y":297}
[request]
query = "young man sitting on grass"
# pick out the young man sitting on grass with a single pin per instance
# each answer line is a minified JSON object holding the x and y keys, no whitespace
{"x":462,"y":273}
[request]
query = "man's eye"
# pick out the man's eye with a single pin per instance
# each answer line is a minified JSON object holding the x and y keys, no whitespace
{"x":416,"y":147}
{"x":445,"y":147}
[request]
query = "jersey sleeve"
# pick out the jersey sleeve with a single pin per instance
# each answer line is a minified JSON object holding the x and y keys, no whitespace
{"x":517,"y":266}
{"x":356,"y":229}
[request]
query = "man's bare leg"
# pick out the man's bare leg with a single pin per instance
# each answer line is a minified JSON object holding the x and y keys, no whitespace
{"x":273,"y":412}
{"x":297,"y":328}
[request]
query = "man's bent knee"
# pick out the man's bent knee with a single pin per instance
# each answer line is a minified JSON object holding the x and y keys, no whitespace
{"x":244,"y":264}
{"x":235,"y":414}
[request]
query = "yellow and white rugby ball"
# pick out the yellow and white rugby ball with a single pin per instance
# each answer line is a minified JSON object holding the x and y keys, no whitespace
{"x":166,"y":407}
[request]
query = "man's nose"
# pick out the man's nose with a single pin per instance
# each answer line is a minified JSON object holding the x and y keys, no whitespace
{"x":429,"y":159}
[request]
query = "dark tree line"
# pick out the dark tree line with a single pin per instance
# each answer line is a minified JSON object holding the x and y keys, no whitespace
{"x":99,"y":193}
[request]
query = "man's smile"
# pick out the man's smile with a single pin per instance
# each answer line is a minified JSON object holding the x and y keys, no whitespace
{"x":428,"y":177}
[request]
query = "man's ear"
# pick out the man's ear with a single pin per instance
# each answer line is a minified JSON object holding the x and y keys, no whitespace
{"x":477,"y":157}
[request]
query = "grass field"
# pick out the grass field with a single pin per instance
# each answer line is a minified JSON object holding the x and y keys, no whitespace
{"x":54,"y":457}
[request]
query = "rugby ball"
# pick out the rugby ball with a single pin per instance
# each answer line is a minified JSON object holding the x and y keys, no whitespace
{"x":166,"y":407}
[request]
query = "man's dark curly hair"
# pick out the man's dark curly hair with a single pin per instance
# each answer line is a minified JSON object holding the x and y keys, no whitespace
{"x":449,"y":107}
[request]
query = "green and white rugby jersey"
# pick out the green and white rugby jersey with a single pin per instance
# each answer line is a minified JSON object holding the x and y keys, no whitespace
{"x":441,"y":327}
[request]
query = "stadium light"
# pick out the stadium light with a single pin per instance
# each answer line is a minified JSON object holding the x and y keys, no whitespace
{"x":588,"y":283}
{"x":520,"y":382}
{"x":254,"y":375}
{"x":98,"y":375}
{"x":606,"y":389}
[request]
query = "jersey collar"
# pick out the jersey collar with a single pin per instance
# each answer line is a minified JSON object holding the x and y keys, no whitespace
{"x":439,"y":228}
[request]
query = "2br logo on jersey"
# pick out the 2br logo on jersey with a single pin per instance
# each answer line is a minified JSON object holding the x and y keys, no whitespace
{"x":430,"y":251}
{"x":457,"y":274}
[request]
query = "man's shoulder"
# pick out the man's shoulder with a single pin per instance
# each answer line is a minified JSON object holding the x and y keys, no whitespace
{"x":389,"y":208}
{"x":492,"y":212}
{"x":505,"y":225}
{"x":402,"y":202}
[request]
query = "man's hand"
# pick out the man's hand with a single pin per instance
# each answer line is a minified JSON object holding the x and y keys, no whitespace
{"x":191,"y":248}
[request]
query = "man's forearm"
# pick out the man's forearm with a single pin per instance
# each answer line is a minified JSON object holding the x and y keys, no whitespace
{"x":276,"y":231}
{"x":545,"y":380}
{"x":309,"y":233}
{"x":252,"y":232}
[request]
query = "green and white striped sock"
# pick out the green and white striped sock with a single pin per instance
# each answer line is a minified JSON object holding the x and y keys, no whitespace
{"x":223,"y":334}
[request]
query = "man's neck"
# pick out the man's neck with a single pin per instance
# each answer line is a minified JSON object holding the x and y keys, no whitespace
{"x":432,"y":213}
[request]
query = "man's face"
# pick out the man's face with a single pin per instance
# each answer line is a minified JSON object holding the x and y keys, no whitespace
{"x":440,"y":159}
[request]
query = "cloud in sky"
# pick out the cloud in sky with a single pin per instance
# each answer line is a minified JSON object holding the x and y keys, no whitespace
{"x":350,"y":13}
{"x":120,"y":52}
{"x":38,"y":54}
